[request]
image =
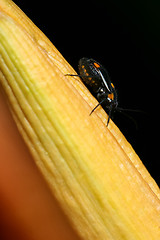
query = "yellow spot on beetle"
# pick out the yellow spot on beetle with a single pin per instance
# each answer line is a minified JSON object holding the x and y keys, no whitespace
{"x":111,"y":96}
{"x":112,"y":85}
{"x":96,"y":65}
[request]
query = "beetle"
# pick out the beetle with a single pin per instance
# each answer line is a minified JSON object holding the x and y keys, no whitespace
{"x":97,"y":80}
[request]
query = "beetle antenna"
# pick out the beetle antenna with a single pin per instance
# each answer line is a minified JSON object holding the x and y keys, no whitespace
{"x":121,"y":110}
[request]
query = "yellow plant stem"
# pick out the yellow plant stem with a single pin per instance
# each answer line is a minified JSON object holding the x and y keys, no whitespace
{"x":92,"y":170}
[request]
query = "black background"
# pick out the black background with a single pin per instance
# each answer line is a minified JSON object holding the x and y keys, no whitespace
{"x":124,"y":36}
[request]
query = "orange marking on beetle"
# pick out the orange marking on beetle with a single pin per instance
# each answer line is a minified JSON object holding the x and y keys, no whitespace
{"x":96,"y":65}
{"x":112,"y":85}
{"x":111,"y":96}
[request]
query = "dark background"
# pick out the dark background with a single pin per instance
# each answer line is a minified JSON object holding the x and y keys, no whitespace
{"x":124,"y":36}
